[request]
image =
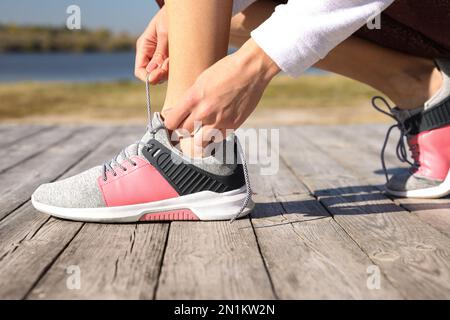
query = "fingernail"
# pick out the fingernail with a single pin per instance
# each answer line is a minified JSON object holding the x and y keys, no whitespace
{"x":152,"y":66}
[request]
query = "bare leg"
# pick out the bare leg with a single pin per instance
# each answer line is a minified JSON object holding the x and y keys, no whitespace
{"x":243,"y":23}
{"x":407,"y":80}
{"x":198,"y":37}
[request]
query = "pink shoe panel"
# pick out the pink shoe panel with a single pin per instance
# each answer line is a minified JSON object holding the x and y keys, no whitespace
{"x":181,"y":214}
{"x":434,"y":152}
{"x":138,"y":184}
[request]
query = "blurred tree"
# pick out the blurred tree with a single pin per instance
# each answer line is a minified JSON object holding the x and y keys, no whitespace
{"x":14,"y":38}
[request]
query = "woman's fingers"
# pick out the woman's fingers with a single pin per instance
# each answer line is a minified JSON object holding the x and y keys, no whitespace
{"x":152,"y":51}
{"x":158,"y":54}
{"x":165,"y":65}
{"x":175,"y":116}
{"x":141,"y":61}
{"x":189,"y":124}
{"x":158,"y":74}
{"x":165,"y":68}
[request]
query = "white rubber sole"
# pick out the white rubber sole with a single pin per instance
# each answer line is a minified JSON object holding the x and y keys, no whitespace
{"x":439,"y":191}
{"x":205,"y":205}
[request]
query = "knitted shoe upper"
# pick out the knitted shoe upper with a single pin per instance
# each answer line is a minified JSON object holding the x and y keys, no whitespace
{"x":82,"y":190}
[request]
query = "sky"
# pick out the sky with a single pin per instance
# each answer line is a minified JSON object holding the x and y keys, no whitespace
{"x":117,"y":15}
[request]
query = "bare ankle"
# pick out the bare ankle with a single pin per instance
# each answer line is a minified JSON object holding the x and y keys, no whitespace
{"x":436,"y":82}
{"x":411,"y":89}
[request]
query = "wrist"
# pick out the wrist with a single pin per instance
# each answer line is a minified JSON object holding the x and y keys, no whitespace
{"x":252,"y":57}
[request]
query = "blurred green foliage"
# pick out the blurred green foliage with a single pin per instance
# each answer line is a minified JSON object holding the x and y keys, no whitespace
{"x":15,"y":38}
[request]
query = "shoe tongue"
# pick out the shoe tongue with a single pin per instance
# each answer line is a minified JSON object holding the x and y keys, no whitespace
{"x":157,"y":122}
{"x":161,"y":135}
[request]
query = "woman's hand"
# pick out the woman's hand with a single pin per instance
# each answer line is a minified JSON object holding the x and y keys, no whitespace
{"x":225,"y":94}
{"x":152,"y":50}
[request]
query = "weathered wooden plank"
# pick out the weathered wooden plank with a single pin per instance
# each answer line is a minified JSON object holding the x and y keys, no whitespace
{"x":18,"y":227}
{"x":23,"y":265}
{"x":213,"y":260}
{"x":15,"y":153}
{"x":116,"y":261}
{"x":30,"y":240}
{"x":324,"y":246}
{"x":307,"y":253}
{"x":234,"y":270}
{"x":22,"y":239}
{"x":413,"y":255}
{"x":26,"y":221}
{"x":15,"y":133}
{"x":436,"y":212}
{"x":19,"y":182}
{"x":366,"y":141}
{"x":7,"y":127}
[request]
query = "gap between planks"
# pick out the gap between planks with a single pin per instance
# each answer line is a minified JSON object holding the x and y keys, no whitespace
{"x":308,"y":255}
{"x":18,"y":240}
{"x":366,"y":142}
{"x":370,"y":218}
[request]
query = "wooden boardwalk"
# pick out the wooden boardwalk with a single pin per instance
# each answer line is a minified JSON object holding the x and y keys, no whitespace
{"x":321,"y":227}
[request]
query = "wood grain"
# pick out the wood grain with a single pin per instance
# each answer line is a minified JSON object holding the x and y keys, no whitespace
{"x":22,"y":229}
{"x":319,"y":224}
{"x":16,"y":153}
{"x":308,"y":255}
{"x":413,"y":256}
{"x":15,"y":133}
{"x":18,"y":183}
{"x":366,"y":141}
{"x":120,"y":261}
{"x":213,"y":260}
{"x":435,"y":212}
{"x":115,"y":261}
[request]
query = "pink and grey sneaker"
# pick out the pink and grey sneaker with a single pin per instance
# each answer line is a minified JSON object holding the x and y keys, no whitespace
{"x":152,"y":180}
{"x":427,"y":131}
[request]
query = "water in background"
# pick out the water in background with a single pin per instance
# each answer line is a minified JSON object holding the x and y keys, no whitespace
{"x":91,"y":67}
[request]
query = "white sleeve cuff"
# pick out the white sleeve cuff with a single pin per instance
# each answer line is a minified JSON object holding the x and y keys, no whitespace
{"x":279,"y":43}
{"x":300,"y":33}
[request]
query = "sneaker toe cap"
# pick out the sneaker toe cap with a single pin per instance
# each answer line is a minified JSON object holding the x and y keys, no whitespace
{"x":79,"y":191}
{"x":407,"y":181}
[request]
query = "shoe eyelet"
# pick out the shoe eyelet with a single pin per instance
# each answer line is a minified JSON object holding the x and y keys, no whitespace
{"x":125,"y":169}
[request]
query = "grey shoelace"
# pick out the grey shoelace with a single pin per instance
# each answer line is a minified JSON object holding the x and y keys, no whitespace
{"x":108,"y":166}
{"x":248,"y":191}
{"x":401,"y":150}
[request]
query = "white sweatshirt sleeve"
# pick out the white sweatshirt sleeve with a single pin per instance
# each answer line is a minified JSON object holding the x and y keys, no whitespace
{"x":301,"y":32}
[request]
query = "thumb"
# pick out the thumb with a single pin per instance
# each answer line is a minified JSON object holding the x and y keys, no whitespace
{"x":174,"y":116}
{"x":160,"y":54}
